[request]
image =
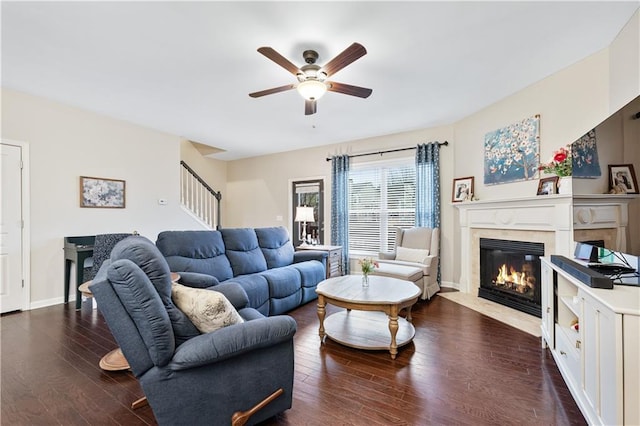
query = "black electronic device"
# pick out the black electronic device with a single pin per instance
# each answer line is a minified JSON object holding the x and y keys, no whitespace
{"x":610,"y":268}
{"x":583,"y":273}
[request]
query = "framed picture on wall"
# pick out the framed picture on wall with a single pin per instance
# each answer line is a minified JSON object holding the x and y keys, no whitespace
{"x":102,"y":192}
{"x":548,"y":186}
{"x":462,"y":189}
{"x":622,"y":179}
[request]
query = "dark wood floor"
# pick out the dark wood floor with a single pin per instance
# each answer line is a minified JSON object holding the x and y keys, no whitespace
{"x":462,"y":368}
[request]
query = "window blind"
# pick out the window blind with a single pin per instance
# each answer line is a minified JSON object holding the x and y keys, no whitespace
{"x":382,"y":197}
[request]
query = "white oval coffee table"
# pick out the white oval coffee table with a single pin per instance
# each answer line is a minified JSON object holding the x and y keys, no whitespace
{"x":370,"y":320}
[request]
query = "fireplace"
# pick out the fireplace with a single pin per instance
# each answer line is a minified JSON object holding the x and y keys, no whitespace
{"x":510,"y":273}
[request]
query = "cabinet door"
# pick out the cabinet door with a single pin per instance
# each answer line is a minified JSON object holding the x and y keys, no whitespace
{"x":547,"y":306}
{"x":601,"y":379}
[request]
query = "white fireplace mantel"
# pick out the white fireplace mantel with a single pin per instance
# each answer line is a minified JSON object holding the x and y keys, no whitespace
{"x":551,"y":219}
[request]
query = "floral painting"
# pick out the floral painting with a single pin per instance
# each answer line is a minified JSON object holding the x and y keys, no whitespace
{"x":511,"y":153}
{"x":101,"y":192}
{"x":585,"y":156}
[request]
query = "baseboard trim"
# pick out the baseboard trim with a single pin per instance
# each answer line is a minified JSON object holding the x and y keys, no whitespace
{"x":449,"y":284}
{"x":50,"y":302}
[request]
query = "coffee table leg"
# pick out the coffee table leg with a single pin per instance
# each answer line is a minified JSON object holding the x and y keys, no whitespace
{"x":409,"y":313}
{"x":393,"y":328}
{"x":321,"y":313}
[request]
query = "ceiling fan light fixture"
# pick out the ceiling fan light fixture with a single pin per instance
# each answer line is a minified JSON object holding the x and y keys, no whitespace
{"x":312,"y":90}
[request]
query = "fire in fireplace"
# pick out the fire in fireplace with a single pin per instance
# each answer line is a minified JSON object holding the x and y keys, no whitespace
{"x":510,"y":273}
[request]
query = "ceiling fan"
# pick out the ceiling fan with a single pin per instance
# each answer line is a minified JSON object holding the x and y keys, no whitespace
{"x":312,"y":78}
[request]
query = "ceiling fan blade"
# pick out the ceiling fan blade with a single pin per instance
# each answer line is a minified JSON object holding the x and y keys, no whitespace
{"x":310,"y":107}
{"x":272,"y":91}
{"x":347,"y":89}
{"x":279,"y":59}
{"x":350,"y":54}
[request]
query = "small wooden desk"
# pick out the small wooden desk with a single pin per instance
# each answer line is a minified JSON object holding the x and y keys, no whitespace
{"x":76,"y":250}
{"x":380,"y":304}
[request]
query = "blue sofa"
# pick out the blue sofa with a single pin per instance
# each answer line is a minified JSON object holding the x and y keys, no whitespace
{"x":262,"y":261}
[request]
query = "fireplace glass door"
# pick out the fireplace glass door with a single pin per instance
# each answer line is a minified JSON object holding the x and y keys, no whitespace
{"x":510,"y":273}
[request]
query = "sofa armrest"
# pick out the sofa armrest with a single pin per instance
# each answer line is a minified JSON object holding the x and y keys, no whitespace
{"x":390,"y":255}
{"x":197,"y":280}
{"x":431,"y":262}
{"x":304,"y":255}
{"x":234,"y":293}
{"x":232,"y":341}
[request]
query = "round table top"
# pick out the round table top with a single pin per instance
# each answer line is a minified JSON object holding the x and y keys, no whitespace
{"x":381,"y":290}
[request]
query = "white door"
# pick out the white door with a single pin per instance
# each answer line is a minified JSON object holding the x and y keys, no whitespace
{"x":11,"y":262}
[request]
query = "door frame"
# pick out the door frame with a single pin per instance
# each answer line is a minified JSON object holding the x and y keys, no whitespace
{"x":26,"y":224}
{"x":291,"y":209}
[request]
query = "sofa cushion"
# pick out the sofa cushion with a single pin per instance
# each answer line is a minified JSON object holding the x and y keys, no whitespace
{"x":403,"y":272}
{"x":243,"y":251}
{"x":311,"y":272}
{"x":257,"y":290}
{"x":282,"y":281}
{"x":412,"y":255}
{"x":147,"y":257}
{"x":195,"y":251}
{"x":285,"y":290}
{"x":276,"y":246}
{"x":208,"y":310}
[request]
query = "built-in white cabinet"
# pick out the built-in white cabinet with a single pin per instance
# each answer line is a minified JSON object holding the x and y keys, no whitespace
{"x":602,"y":384}
{"x":599,"y":358}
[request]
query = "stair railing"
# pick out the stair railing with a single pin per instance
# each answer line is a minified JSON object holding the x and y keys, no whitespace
{"x":199,"y":198}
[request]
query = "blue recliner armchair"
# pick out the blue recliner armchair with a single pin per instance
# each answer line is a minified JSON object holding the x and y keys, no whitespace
{"x":188,"y":377}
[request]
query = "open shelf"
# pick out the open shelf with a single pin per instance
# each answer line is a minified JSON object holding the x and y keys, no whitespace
{"x":572,"y":303}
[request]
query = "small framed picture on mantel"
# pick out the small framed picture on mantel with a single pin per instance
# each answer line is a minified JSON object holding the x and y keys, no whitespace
{"x":462,"y":189}
{"x":622,"y":179}
{"x":548,"y":186}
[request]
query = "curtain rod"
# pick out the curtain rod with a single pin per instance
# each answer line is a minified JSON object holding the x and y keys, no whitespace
{"x":445,"y":143}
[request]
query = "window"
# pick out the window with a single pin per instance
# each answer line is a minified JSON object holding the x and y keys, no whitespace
{"x":382,"y":196}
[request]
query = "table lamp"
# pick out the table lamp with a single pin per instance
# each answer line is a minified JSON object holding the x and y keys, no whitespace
{"x":304,"y":214}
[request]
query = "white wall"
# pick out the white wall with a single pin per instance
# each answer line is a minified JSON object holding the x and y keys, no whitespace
{"x":258,"y":188}
{"x":624,"y":66}
{"x":66,"y":143}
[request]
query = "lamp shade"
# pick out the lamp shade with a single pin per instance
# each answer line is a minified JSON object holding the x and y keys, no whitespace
{"x":312,"y":89}
{"x":304,"y":214}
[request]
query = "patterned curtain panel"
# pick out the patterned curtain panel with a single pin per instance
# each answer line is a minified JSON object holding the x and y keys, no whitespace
{"x":340,"y":206}
{"x":428,"y":187}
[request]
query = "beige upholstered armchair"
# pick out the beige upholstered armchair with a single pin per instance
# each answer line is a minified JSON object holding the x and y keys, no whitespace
{"x":415,"y":259}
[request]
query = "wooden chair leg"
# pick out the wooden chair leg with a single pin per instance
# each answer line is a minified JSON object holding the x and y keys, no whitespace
{"x":239,"y":418}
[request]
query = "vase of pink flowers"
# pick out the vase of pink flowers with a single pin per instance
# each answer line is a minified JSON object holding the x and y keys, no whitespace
{"x":367,"y":265}
{"x":560,"y":164}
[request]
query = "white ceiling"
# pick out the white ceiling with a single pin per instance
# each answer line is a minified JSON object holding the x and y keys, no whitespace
{"x":186,"y":68}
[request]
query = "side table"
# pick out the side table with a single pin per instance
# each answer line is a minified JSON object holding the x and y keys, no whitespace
{"x":334,"y":260}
